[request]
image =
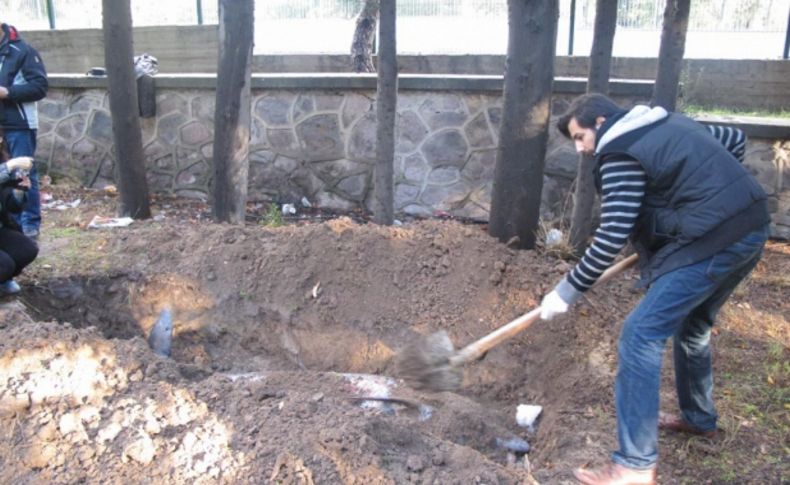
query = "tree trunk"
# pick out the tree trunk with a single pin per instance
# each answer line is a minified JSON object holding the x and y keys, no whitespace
{"x":364,"y":33}
{"x":386,"y":105}
{"x":583,"y":201}
{"x":601,"y":51}
{"x":232,"y":112}
{"x":118,"y":59}
{"x":670,"y":54}
{"x":597,"y":82}
{"x":518,"y":177}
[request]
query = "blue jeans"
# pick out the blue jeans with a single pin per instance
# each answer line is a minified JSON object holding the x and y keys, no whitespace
{"x":22,"y":143}
{"x":681,"y":304}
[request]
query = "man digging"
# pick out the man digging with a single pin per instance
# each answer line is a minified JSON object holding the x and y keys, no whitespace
{"x":699,"y":222}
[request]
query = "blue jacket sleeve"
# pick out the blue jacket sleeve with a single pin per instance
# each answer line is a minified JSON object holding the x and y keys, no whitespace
{"x":36,"y":85}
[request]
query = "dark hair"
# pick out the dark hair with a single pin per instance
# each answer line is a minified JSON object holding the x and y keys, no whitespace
{"x":586,"y":109}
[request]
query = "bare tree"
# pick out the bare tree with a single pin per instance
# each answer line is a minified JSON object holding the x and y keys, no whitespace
{"x":118,"y":59}
{"x":597,"y":82}
{"x":386,"y":107}
{"x":518,"y":177}
{"x":670,"y":54}
{"x":232,"y":112}
{"x":364,"y":34}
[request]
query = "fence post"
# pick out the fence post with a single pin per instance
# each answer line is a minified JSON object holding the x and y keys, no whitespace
{"x":51,"y":15}
{"x":571,"y":27}
{"x":787,"y":38}
{"x":199,"y":7}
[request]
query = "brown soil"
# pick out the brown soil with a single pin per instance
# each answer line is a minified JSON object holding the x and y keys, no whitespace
{"x":277,"y":330}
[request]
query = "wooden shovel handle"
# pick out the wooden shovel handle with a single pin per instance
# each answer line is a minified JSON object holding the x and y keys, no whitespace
{"x":479,"y":347}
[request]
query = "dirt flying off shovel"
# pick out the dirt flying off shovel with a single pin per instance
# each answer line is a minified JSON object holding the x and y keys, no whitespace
{"x":433,"y":363}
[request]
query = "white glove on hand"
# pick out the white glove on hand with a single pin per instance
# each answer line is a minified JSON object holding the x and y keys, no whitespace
{"x":552,"y":305}
{"x":25,"y":163}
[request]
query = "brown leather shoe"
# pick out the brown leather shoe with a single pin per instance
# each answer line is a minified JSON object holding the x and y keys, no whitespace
{"x":614,"y":474}
{"x":674,"y":423}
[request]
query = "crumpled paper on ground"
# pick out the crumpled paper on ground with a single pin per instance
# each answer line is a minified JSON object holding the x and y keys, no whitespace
{"x":99,"y":222}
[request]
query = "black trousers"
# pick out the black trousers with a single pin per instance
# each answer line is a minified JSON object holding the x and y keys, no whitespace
{"x":16,"y":252}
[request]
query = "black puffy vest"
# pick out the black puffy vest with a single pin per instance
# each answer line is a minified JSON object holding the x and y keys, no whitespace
{"x":695,"y":197}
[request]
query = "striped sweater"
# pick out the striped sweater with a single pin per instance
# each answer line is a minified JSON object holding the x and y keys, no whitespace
{"x":622,"y":191}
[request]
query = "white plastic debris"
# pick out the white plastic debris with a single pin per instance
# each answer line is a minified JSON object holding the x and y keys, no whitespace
{"x":61,"y":205}
{"x":526,"y":414}
{"x":306,"y":203}
{"x":553,"y":237}
{"x":396,"y":222}
{"x":145,"y":64}
{"x":99,"y":222}
{"x":379,"y":389}
{"x":246,"y":376}
{"x":369,"y":385}
{"x":289,"y":209}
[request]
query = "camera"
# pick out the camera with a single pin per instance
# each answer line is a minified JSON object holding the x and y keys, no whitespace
{"x":19,"y":174}
{"x":16,"y":176}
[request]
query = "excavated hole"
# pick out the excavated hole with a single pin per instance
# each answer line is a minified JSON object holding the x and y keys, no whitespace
{"x":215,"y":336}
{"x":101,"y":302}
{"x":229,"y":338}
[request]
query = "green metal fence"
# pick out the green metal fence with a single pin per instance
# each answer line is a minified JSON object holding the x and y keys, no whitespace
{"x":711,"y":15}
{"x":753,"y":16}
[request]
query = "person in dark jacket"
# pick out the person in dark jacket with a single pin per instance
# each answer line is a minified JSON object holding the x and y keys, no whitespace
{"x":23,"y":82}
{"x":16,"y":250}
{"x":699,"y":222}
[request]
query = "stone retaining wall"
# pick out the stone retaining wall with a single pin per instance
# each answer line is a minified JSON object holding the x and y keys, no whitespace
{"x":320,"y":144}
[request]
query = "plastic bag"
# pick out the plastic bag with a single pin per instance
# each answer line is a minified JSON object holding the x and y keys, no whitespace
{"x":145,"y":64}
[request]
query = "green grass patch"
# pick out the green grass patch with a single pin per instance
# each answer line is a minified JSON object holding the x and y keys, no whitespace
{"x":751,"y":398}
{"x":696,"y":110}
{"x":273,"y":217}
{"x":63,"y":232}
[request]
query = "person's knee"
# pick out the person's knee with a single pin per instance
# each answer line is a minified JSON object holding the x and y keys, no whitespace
{"x":694,"y":345}
{"x":33,"y":254}
{"x":697,"y":328}
{"x":29,"y":255}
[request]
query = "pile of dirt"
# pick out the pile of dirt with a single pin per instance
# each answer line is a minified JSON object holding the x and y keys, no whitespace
{"x":277,"y":334}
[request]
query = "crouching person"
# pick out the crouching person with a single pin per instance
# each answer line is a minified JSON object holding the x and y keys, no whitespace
{"x":16,"y":250}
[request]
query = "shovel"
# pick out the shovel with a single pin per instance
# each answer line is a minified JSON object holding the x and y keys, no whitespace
{"x":433,"y":363}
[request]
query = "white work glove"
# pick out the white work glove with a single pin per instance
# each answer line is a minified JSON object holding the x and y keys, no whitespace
{"x":25,"y":163}
{"x":552,"y":305}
